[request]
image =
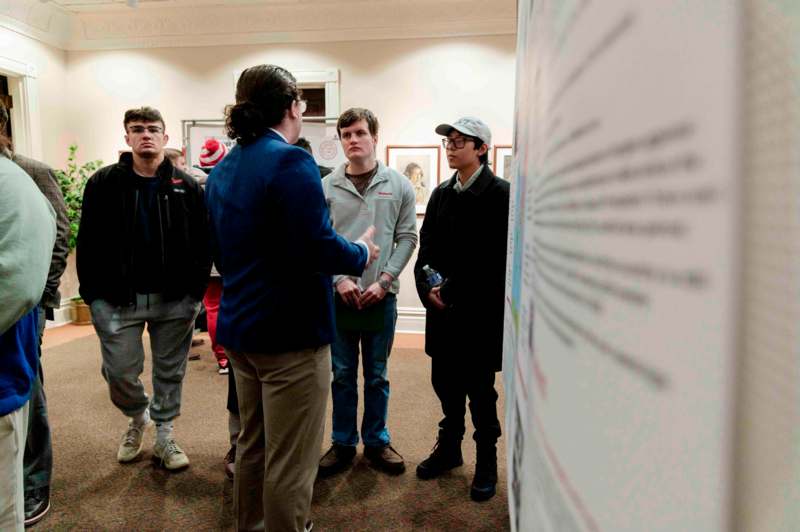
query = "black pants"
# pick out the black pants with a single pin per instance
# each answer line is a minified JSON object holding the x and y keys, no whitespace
{"x":38,"y":458}
{"x":453,"y":384}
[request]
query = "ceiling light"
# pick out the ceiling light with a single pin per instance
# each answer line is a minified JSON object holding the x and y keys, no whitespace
{"x":132,"y":3}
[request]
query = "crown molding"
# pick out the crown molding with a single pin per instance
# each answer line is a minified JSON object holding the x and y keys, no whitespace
{"x":43,"y":22}
{"x":208,"y":25}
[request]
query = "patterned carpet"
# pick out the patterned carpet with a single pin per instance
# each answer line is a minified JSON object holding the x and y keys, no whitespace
{"x":91,"y":491}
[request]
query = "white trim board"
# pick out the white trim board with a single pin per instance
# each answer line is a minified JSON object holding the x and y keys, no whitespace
{"x":25,"y":119}
{"x":410,"y":320}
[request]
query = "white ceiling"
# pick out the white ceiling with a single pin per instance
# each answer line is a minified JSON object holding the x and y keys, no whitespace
{"x":89,"y":6}
{"x":112,"y":24}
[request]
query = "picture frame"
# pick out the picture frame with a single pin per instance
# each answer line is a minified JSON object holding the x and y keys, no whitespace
{"x":421,"y":165}
{"x":503,"y":162}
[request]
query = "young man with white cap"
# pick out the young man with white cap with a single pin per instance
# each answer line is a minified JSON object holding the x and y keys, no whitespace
{"x":463,"y":238}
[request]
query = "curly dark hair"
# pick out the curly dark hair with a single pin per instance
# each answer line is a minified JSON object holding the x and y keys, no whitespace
{"x":263,"y":94}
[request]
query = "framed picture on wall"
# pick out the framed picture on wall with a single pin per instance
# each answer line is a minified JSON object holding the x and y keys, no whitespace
{"x":420,"y":164}
{"x":501,"y":162}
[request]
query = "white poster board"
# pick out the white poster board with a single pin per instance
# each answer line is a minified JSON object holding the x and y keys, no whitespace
{"x":620,"y":338}
{"x":322,"y":137}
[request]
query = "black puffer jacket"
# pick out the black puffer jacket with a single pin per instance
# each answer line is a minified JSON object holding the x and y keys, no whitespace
{"x":105,"y":251}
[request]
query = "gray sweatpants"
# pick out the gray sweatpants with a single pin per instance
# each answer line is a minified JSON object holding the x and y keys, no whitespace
{"x":170,"y":324}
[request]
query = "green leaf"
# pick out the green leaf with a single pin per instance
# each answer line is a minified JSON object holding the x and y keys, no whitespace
{"x":72,"y":182}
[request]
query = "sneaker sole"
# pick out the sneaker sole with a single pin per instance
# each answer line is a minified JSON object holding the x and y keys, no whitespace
{"x":161,"y":463}
{"x":36,"y":518}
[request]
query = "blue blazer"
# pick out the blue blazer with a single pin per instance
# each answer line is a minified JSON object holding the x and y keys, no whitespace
{"x":275,"y":247}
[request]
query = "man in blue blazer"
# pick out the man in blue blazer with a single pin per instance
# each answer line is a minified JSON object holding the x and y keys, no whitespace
{"x":276,"y":250}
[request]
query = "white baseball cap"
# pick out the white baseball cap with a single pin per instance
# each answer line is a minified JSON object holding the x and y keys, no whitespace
{"x":468,"y":125}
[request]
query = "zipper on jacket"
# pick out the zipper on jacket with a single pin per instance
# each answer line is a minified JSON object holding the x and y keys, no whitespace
{"x":166,"y":207}
{"x":131,"y":289}
{"x":161,"y":234}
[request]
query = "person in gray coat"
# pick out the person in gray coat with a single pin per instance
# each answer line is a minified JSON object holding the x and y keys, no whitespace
{"x":27,"y":234}
{"x":38,"y":448}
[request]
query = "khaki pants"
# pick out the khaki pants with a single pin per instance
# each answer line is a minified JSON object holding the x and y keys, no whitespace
{"x":282,"y":400}
{"x":13,"y":429}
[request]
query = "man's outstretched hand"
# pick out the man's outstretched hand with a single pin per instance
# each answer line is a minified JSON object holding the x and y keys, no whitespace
{"x":374,"y":250}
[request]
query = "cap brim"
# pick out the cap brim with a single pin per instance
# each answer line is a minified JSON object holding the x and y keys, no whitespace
{"x":444,"y":129}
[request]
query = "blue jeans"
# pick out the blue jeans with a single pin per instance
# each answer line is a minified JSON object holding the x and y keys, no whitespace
{"x":375,"y":349}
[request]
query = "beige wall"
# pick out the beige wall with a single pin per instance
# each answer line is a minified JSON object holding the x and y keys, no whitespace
{"x":50,"y":64}
{"x":410,"y":85}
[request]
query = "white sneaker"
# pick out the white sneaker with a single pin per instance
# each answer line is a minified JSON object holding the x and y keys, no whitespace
{"x":131,"y":444}
{"x":172,"y":457}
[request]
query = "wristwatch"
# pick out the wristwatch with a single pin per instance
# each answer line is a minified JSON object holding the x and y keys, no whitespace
{"x":383,"y":283}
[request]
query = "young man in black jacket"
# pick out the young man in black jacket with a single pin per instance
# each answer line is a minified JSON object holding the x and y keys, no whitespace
{"x":143,"y":258}
{"x":463,"y":238}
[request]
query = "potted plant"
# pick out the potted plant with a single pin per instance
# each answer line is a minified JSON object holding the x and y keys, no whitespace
{"x":72,"y":181}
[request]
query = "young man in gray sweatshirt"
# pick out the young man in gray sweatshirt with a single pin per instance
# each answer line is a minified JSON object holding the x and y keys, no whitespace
{"x":361,"y":193}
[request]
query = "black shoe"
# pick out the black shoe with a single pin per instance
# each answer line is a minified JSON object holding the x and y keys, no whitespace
{"x":386,"y":459}
{"x":485,"y":481}
{"x":445,"y":456}
{"x":37,"y":504}
{"x":338,"y":458}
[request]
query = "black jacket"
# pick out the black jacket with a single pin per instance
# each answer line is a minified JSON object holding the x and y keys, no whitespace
{"x":464,"y":238}
{"x":105,"y":251}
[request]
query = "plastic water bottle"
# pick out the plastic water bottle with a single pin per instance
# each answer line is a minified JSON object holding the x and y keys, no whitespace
{"x":434,"y":278}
